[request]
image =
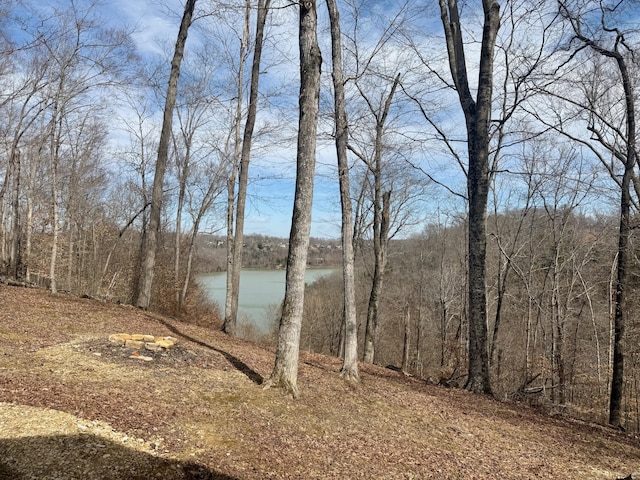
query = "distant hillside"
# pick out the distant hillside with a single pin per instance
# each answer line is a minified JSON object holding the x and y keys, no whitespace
{"x":264,"y":252}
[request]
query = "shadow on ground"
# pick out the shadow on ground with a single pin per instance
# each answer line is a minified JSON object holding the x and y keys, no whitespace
{"x":89,"y":457}
{"x":238,"y":364}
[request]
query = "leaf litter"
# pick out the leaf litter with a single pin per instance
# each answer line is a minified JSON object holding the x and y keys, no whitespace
{"x":75,"y":405}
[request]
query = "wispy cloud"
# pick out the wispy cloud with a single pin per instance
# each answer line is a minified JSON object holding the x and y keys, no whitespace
{"x":153,"y":26}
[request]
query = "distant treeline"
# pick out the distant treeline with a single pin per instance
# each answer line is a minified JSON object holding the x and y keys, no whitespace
{"x":261,"y":251}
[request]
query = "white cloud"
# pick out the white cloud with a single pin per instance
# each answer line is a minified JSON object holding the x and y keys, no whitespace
{"x":153,"y":26}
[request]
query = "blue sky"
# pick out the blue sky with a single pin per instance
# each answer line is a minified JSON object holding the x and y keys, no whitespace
{"x":271,"y":189}
{"x":154,"y":23}
{"x":271,"y":199}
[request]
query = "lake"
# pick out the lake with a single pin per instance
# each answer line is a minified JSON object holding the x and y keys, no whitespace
{"x":261,"y":292}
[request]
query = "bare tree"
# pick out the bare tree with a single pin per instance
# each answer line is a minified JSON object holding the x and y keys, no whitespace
{"x":84,"y":179}
{"x":350,"y":358}
{"x":381,"y":215}
{"x":213,"y":175}
{"x":85,"y":57}
{"x":230,"y":316}
{"x":137,"y":168}
{"x":28,"y":112}
{"x":477,"y":113}
{"x":198,"y":169}
{"x":285,"y":370}
{"x":234,"y":264}
{"x":151,"y":240}
{"x":618,"y":141}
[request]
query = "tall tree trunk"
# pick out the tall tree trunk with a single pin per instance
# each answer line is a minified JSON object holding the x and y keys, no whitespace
{"x":628,"y":157}
{"x":151,"y":240}
{"x":350,"y":322}
{"x":14,"y":251}
{"x":622,"y":282}
{"x":285,"y":370}
{"x":231,"y":319}
{"x":184,"y":172}
{"x":54,"y":151}
{"x":419,"y":328}
{"x":4,"y":215}
{"x":477,"y":114}
{"x":33,"y":170}
{"x":53,"y":286}
{"x":381,"y":226}
{"x":230,"y":307}
{"x":406,"y":320}
{"x":624,"y":233}
{"x":380,"y":253}
{"x":208,"y":199}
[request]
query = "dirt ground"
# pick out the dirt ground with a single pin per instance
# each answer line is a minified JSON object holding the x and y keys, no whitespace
{"x":75,"y":406}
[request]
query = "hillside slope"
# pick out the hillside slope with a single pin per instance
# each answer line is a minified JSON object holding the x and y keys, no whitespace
{"x":76,"y":406}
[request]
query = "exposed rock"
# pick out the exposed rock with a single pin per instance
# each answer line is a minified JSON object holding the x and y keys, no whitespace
{"x":119,"y":338}
{"x":164,"y":343}
{"x":141,"y":357}
{"x":152,"y":346}
{"x":143,"y":341}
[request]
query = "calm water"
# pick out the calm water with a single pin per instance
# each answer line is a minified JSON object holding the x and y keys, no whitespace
{"x":261,"y":292}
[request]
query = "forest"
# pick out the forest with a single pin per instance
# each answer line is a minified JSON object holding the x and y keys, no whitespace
{"x":473,"y":166}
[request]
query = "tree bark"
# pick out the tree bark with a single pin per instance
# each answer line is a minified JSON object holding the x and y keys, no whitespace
{"x":285,"y":370}
{"x":15,"y":261}
{"x":151,"y":240}
{"x":54,"y":152}
{"x":350,"y":322}
{"x":624,"y":254}
{"x":624,"y":234}
{"x":406,"y":320}
{"x":381,"y":225}
{"x":628,"y":157}
{"x":231,"y":316}
{"x":380,"y":253}
{"x":477,"y":114}
{"x":183,"y":174}
{"x":229,"y":312}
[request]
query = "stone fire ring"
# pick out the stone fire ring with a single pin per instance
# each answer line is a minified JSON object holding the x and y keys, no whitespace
{"x":143,"y":342}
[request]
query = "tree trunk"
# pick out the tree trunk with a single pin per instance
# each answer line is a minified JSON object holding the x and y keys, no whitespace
{"x":628,"y":157}
{"x":33,"y":171}
{"x":419,"y":328}
{"x":183,"y":175}
{"x":151,"y":240}
{"x":208,"y":199}
{"x":14,"y":251}
{"x":231,"y":306}
{"x":55,"y":149}
{"x":230,"y":321}
{"x":350,"y":322}
{"x":381,"y":226}
{"x":620,"y":312}
{"x":380,"y":252}
{"x":285,"y":370}
{"x":406,"y":318}
{"x":477,"y":118}
{"x":622,"y":282}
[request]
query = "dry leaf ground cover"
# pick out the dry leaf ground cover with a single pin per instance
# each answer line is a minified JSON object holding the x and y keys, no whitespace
{"x":74,"y":406}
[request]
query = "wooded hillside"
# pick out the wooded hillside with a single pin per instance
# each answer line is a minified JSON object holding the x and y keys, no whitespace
{"x":475,"y":165}
{"x":75,"y":406}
